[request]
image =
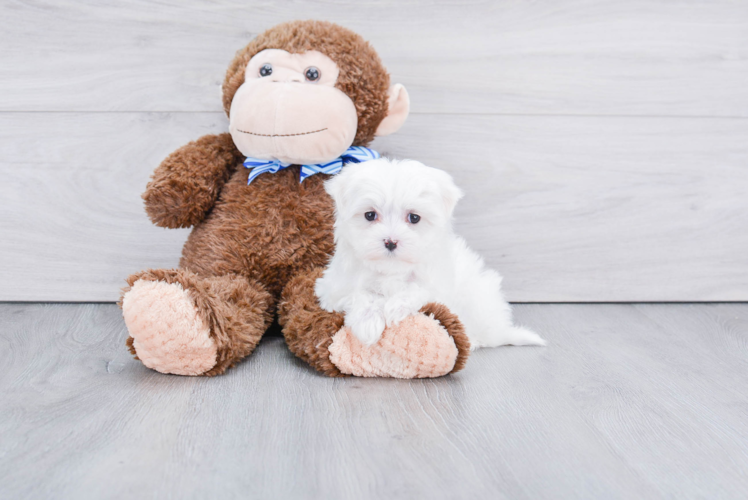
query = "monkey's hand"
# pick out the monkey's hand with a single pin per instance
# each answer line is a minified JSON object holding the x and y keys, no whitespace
{"x":186,"y":185}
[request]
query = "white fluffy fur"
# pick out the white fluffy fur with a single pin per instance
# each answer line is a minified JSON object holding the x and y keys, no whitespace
{"x":375,"y":287}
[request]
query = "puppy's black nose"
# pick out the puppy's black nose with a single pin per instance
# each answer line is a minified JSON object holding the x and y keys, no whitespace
{"x":390,"y":245}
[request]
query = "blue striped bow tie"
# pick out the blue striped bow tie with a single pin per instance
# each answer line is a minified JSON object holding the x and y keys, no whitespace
{"x":354,"y":154}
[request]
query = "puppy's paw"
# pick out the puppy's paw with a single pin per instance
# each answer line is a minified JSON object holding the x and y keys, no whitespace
{"x":366,"y":324}
{"x":397,"y":309}
{"x":369,"y":331}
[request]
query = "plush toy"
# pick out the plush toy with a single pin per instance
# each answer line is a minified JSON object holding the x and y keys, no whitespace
{"x":303,"y":99}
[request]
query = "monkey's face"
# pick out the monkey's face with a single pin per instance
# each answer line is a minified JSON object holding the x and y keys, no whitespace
{"x":288,"y":109}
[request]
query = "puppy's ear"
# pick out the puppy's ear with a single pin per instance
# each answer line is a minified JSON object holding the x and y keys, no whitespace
{"x":336,"y":187}
{"x":448,"y":190}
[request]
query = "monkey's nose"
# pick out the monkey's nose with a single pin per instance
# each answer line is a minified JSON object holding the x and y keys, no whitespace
{"x":390,"y":245}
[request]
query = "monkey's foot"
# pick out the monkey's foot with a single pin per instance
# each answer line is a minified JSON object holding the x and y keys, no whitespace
{"x":167,"y":332}
{"x":426,"y":345}
{"x":187,"y":324}
{"x":430,"y":344}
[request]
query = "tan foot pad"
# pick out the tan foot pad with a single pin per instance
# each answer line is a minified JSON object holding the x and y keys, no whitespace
{"x":417,"y":347}
{"x":168,"y":334}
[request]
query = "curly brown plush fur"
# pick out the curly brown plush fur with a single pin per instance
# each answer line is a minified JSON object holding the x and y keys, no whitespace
{"x":454,"y":327}
{"x":268,"y":231}
{"x":308,"y":328}
{"x":253,"y":244}
{"x":187,"y":183}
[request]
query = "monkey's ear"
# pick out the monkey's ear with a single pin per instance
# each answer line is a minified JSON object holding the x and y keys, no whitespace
{"x":398,"y":107}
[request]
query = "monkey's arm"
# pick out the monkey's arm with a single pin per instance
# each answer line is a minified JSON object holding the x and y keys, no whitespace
{"x":186,"y":185}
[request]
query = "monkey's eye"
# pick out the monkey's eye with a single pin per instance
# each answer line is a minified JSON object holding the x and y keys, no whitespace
{"x":266,"y":69}
{"x":370,"y":216}
{"x":414,"y":218}
{"x":312,"y":74}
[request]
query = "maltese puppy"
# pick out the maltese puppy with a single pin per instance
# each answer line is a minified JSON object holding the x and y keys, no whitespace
{"x":395,"y":252}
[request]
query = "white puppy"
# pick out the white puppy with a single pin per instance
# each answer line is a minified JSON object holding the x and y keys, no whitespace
{"x":395,"y":252}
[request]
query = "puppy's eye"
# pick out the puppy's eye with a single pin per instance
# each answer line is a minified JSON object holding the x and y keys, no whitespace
{"x":312,"y":74}
{"x":414,"y":218}
{"x":370,"y":216}
{"x":266,"y":69}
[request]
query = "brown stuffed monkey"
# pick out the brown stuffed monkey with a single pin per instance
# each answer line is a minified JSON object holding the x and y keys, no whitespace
{"x":298,"y":96}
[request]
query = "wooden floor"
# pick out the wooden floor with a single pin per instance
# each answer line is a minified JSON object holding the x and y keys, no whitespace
{"x":627,"y":401}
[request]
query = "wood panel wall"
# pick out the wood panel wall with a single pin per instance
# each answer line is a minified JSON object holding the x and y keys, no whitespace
{"x":603,"y":146}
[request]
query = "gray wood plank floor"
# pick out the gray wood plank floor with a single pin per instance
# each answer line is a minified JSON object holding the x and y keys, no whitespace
{"x":627,"y":401}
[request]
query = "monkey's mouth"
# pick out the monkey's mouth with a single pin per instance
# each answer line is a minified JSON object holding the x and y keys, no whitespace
{"x":281,"y":135}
